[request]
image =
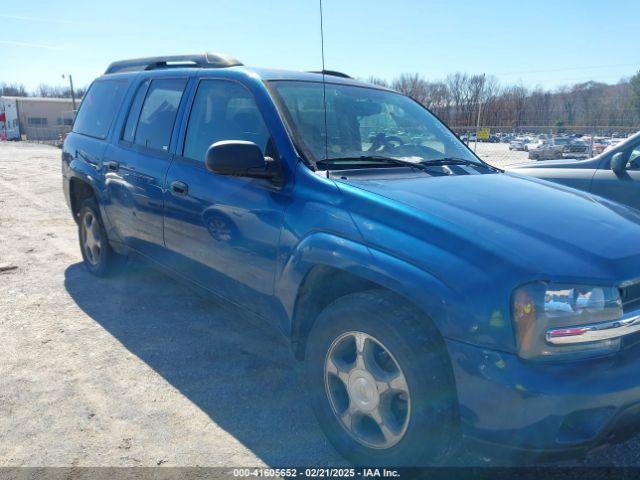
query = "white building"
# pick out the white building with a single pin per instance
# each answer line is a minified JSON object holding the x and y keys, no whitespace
{"x":38,"y":118}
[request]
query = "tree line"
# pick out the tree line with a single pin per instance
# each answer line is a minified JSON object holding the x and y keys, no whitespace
{"x":43,"y":90}
{"x":459,"y":97}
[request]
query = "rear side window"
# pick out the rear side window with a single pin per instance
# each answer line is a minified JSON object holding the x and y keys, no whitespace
{"x":158,"y":113}
{"x":99,"y":108}
{"x":134,"y":112}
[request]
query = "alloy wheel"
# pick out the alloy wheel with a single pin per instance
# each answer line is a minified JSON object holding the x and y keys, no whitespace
{"x":91,"y":238}
{"x":367,"y":390}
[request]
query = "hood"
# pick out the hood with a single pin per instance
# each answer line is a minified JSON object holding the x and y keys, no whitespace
{"x":555,"y":230}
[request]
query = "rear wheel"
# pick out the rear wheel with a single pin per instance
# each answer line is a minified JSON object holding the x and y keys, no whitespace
{"x":99,"y":258}
{"x":380,"y":382}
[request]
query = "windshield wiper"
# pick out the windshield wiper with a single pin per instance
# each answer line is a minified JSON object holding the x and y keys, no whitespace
{"x":457,"y":161}
{"x":378,"y":158}
{"x":451,"y":161}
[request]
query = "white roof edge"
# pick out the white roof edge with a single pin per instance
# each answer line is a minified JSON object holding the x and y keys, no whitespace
{"x":40,"y":99}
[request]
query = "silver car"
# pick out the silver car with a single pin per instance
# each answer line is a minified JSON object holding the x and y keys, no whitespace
{"x":547,"y":150}
{"x":614,"y":174}
{"x":517,"y":145}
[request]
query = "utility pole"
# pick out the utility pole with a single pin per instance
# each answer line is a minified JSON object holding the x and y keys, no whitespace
{"x":475,"y":145}
{"x":73,"y":95}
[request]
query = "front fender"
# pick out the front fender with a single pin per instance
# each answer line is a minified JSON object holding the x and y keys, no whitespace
{"x":325,"y":249}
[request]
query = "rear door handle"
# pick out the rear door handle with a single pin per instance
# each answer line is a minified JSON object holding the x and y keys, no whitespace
{"x":179,"y":188}
{"x":112,"y":165}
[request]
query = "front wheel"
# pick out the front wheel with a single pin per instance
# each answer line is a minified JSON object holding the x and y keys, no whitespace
{"x":381,"y":383}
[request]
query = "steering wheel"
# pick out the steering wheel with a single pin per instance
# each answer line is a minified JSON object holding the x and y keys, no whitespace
{"x":382,"y":142}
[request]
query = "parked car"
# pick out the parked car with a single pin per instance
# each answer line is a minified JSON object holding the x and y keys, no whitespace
{"x":435,"y":300}
{"x":576,"y":148}
{"x":614,"y":174}
{"x":614,"y":142}
{"x":600,"y":145}
{"x":548,"y":149}
{"x":533,"y":144}
{"x":517,"y":145}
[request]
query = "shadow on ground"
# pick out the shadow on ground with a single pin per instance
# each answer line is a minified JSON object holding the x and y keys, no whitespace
{"x":236,"y":370}
{"x":240,"y":374}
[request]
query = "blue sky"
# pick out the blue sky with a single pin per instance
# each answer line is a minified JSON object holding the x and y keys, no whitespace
{"x":542,"y":42}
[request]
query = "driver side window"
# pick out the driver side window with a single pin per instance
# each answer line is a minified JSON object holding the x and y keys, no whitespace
{"x":224,"y":110}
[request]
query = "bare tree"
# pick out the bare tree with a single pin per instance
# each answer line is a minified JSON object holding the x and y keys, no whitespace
{"x":13,"y":90}
{"x":50,"y":91}
{"x":457,"y":98}
{"x":413,"y":85}
{"x":438,"y":99}
{"x":378,"y":81}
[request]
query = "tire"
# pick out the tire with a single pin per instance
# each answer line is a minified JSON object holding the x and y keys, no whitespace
{"x":424,"y":417}
{"x":98,"y":256}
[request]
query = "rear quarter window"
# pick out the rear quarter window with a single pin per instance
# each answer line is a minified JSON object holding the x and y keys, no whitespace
{"x":99,"y":108}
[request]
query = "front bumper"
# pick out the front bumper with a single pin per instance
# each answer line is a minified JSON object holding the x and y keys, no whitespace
{"x":511,"y":407}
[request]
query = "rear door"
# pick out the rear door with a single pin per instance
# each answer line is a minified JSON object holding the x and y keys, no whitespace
{"x":137,"y":163}
{"x":624,"y":187}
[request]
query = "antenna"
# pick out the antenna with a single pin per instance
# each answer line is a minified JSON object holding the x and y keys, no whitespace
{"x":324,"y":88}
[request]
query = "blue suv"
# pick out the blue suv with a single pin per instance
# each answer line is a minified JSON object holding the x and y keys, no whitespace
{"x":435,"y":300}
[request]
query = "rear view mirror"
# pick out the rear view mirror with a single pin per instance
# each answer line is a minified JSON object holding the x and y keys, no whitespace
{"x":618,"y":163}
{"x":237,"y":158}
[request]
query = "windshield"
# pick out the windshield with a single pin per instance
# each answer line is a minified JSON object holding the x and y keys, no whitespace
{"x":363,"y":122}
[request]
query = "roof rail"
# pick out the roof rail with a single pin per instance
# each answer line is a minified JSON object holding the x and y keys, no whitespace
{"x":203,"y":60}
{"x":333,"y":73}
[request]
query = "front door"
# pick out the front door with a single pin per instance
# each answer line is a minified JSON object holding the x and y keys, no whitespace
{"x":222,"y":232}
{"x":623,"y":187}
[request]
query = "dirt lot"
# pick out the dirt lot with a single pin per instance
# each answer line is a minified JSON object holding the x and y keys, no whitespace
{"x":136,"y":370}
{"x":498,"y":154}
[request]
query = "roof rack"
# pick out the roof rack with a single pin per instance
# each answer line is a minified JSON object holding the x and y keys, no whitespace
{"x":333,"y":73}
{"x":203,"y":60}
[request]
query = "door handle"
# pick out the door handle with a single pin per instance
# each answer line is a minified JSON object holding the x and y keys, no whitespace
{"x":179,"y":188}
{"x":112,"y":165}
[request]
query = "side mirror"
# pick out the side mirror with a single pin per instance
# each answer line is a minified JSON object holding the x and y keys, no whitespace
{"x":618,"y":163}
{"x":238,"y":158}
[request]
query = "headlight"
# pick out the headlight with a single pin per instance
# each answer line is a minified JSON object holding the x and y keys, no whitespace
{"x":570,"y":321}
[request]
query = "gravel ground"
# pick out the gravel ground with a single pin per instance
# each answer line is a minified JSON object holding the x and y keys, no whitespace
{"x":134,"y":370}
{"x":498,"y":154}
{"x":137,"y":370}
